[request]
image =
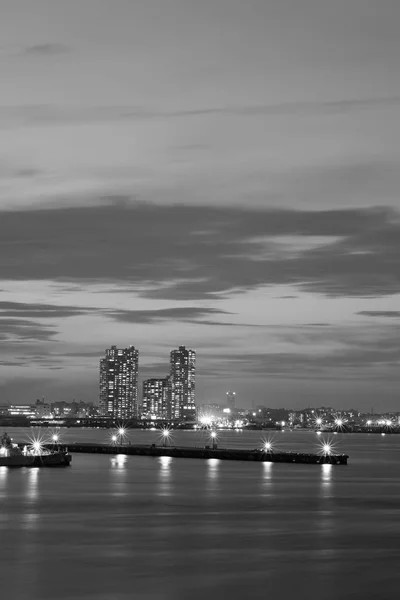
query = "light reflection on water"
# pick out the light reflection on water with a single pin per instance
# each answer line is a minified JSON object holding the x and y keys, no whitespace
{"x":33,"y":483}
{"x":167,"y":528}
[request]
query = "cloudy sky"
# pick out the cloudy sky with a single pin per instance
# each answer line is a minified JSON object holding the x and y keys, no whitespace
{"x":223,"y":174}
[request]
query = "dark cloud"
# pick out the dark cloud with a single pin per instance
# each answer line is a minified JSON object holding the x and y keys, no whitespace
{"x":158,"y":249}
{"x":184,"y":313}
{"x":41,"y":113}
{"x":23,"y":329}
{"x":48,"y":49}
{"x":22,"y":309}
{"x":379,"y":313}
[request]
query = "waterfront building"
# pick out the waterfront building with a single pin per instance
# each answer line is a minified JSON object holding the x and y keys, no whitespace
{"x":22,"y":410}
{"x":231,"y":400}
{"x":156,"y":398}
{"x":119,"y":383}
{"x":182,"y":381}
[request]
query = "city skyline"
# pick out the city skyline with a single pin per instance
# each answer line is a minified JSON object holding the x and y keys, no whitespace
{"x":223,"y":173}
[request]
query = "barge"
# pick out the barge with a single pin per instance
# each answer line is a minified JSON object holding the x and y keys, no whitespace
{"x":35,"y":455}
{"x":255,"y":455}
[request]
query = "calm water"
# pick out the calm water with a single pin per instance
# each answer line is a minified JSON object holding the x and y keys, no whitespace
{"x":117,"y":528}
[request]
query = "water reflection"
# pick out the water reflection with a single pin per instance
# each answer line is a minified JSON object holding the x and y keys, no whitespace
{"x":267,"y":467}
{"x":3,"y":477}
{"x":212,"y":471}
{"x":326,"y":474}
{"x":119,"y":461}
{"x":33,"y":481}
{"x":165,"y":485}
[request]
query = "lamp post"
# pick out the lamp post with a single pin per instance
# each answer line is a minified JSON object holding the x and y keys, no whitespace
{"x":55,"y":439}
{"x":214,"y":439}
{"x":165,"y":435}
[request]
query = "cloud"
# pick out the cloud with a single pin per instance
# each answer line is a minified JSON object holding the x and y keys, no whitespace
{"x":23,"y":329}
{"x":42,"y":311}
{"x":64,"y":114}
{"x":379,"y":313}
{"x":46,"y":49}
{"x":157,"y":249}
{"x":183,"y":313}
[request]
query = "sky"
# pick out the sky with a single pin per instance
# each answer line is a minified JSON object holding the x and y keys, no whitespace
{"x":221,"y":174}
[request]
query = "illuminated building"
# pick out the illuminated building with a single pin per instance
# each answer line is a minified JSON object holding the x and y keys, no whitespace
{"x":231,"y":400}
{"x":118,"y":383}
{"x":155,"y":401}
{"x":22,"y":410}
{"x":182,"y":378}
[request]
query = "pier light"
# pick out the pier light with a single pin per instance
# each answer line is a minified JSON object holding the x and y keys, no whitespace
{"x":389,"y":423}
{"x":339,"y":422}
{"x":37,"y":447}
{"x":121,"y":431}
{"x":165,"y":435}
{"x":213,"y":436}
{"x":369,"y":422}
{"x":327,"y":448}
{"x":318,"y":421}
{"x":267,"y":447}
{"x":55,"y":438}
{"x":114,"y":438}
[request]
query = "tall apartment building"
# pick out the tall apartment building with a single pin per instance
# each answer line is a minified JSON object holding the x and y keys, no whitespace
{"x":156,"y":398}
{"x":231,"y":400}
{"x":119,"y":383}
{"x":182,"y":378}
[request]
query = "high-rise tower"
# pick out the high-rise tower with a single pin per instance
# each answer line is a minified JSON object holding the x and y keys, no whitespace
{"x":119,"y":383}
{"x":155,"y":401}
{"x":182,"y":383}
{"x":231,"y":400}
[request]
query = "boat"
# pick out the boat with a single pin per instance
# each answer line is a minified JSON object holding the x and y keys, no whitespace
{"x":34,"y":455}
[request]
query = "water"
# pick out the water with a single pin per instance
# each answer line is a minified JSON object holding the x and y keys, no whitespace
{"x":117,"y":528}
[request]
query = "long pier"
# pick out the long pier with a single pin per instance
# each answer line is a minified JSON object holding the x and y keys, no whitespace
{"x":210,"y":452}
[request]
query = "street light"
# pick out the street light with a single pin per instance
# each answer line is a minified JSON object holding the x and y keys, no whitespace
{"x":165,"y":434}
{"x":214,"y":439}
{"x":327,"y":449}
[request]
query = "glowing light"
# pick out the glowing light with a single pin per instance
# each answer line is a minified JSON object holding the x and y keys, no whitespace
{"x":339,"y":422}
{"x":319,"y":432}
{"x":327,"y":449}
{"x":283,"y":423}
{"x":121,"y":431}
{"x":206,"y":420}
{"x":165,"y":434}
{"x":389,"y":423}
{"x":318,"y":421}
{"x":369,"y":422}
{"x":267,"y":446}
{"x":36,"y":446}
{"x":213,"y":434}
{"x":3,"y":451}
{"x":383,"y":433}
{"x":113,"y":438}
{"x":55,"y":438}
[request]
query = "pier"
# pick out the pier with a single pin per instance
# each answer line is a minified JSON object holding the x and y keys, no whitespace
{"x":255,"y":455}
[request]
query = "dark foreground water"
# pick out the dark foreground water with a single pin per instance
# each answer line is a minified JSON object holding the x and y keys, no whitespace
{"x":119,"y":528}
